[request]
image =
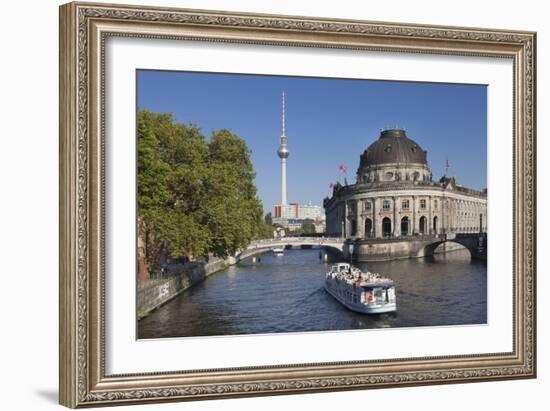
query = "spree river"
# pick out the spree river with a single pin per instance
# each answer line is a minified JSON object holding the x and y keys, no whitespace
{"x":286,"y":294}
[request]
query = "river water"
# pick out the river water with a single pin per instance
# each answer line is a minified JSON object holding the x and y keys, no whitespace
{"x":286,"y":294}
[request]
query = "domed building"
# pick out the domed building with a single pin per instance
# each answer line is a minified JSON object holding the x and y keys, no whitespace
{"x":395,"y":199}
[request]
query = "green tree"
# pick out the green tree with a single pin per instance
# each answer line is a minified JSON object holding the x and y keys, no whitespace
{"x":187,"y":151}
{"x":266,"y":228}
{"x":153,"y":194}
{"x":195,"y":197}
{"x":308,"y":227}
{"x":233,"y":210}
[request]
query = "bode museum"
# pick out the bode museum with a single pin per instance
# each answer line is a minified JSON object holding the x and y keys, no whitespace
{"x":395,"y":207}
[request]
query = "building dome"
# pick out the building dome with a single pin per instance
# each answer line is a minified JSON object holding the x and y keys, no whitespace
{"x":393,"y":147}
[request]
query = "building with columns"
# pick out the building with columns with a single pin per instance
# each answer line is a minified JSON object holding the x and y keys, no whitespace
{"x":395,"y":197}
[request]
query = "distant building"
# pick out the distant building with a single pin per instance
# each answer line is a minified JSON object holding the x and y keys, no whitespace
{"x":294,"y":215}
{"x":310,"y":212}
{"x":299,"y":211}
{"x":286,"y":211}
{"x":395,"y":196}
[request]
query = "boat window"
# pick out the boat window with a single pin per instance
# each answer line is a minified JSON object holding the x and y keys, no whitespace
{"x":379,"y":292}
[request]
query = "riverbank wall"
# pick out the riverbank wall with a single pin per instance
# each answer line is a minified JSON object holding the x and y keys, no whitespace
{"x":158,"y":291}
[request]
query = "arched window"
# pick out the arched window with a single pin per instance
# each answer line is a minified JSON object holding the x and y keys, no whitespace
{"x":353,"y":227}
{"x":435,"y":225}
{"x":386,"y":227}
{"x":405,"y":226}
{"x":368,"y":227}
{"x":422,"y":225}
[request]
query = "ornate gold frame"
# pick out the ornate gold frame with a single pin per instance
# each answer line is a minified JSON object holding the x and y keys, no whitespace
{"x":83,"y":30}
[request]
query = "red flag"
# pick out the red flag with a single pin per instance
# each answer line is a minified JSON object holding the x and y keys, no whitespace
{"x":342,"y":168}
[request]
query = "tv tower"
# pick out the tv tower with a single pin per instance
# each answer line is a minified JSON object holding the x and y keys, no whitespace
{"x":283,"y":153}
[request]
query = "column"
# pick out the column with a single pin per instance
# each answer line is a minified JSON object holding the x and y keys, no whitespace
{"x":414,"y":228}
{"x":455,"y":215}
{"x":430,"y":222}
{"x":443,"y":223}
{"x":378,"y":219}
{"x":394,"y":219}
{"x":373,"y":217}
{"x":347,"y":230}
{"x":360,"y":218}
{"x":342,"y":219}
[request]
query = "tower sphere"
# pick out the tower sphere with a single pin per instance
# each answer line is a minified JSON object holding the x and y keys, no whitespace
{"x":283,"y":151}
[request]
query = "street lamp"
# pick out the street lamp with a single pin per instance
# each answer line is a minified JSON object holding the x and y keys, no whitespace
{"x":350,"y":249}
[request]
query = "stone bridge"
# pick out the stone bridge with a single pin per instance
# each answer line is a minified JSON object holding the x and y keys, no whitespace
{"x":476,"y":243}
{"x":336,"y":245}
{"x":376,"y":249}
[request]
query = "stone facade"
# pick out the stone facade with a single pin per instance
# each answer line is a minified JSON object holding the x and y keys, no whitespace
{"x":395,"y":196}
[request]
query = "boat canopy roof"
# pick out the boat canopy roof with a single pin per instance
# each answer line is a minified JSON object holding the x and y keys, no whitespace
{"x":385,"y":284}
{"x":341,"y":266}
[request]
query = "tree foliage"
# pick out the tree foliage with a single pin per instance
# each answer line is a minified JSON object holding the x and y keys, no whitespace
{"x":196,"y":197}
{"x":308,"y":227}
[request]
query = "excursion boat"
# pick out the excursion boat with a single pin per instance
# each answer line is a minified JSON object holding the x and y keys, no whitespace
{"x":365,"y":293}
{"x":279,"y":251}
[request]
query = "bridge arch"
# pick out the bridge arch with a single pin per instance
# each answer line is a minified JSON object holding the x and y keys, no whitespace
{"x":264,"y":246}
{"x":469,"y":242}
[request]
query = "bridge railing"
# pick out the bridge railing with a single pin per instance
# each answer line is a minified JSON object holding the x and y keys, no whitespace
{"x":290,"y":240}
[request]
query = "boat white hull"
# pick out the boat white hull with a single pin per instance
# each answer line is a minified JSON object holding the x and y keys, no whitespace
{"x":359,"y":307}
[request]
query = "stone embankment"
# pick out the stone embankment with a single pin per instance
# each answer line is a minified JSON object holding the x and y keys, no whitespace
{"x":158,"y":291}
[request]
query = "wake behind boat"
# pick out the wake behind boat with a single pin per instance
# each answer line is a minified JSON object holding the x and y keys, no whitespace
{"x":365,"y":293}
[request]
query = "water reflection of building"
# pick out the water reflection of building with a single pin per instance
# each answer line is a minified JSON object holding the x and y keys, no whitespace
{"x":395,"y":196}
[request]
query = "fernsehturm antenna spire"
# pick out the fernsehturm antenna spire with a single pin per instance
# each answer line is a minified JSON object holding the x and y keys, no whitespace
{"x":283,"y":151}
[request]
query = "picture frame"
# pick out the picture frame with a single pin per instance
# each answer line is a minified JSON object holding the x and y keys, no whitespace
{"x":84,"y":30}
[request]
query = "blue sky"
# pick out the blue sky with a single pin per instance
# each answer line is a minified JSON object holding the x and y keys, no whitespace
{"x":328,"y":122}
